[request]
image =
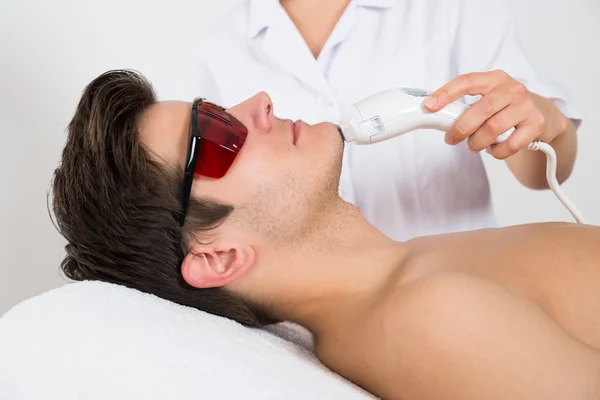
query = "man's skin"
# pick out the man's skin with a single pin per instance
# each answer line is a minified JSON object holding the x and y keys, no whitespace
{"x":507,"y":313}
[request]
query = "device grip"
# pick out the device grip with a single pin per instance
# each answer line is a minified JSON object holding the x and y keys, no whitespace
{"x":419,"y":118}
{"x":394,"y":112}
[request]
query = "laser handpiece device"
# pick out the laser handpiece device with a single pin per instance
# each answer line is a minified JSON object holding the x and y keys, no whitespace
{"x":394,"y":112}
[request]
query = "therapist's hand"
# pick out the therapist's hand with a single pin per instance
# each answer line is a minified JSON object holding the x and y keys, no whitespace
{"x":505,"y":103}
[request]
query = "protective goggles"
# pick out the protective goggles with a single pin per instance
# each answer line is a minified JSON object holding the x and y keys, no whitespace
{"x":216,"y":138}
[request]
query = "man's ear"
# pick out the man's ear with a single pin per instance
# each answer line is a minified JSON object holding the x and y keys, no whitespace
{"x":215,"y":266}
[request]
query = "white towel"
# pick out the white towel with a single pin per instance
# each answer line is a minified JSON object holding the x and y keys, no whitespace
{"x":93,"y":340}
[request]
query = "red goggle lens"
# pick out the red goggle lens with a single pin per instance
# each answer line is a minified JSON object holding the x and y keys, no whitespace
{"x":222,"y":138}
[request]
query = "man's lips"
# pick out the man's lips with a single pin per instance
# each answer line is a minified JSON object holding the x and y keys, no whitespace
{"x":290,"y":123}
{"x":297,"y":130}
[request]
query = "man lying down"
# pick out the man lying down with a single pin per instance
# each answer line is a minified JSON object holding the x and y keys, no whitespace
{"x":508,"y":313}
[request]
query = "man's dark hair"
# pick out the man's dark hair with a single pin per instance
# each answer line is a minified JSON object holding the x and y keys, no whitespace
{"x":117,"y":207}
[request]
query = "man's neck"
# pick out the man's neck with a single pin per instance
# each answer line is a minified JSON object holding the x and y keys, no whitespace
{"x":347,"y":262}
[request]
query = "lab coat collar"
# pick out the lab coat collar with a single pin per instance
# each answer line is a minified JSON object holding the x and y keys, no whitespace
{"x":284,"y":45}
{"x":263,"y":13}
{"x":260,"y":15}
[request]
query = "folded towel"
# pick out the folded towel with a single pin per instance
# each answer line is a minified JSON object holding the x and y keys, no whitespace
{"x":94,"y":340}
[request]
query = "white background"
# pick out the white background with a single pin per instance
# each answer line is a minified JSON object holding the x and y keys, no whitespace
{"x":49,"y":50}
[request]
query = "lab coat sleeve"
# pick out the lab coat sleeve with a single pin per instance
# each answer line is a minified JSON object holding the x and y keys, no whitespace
{"x":484,"y":38}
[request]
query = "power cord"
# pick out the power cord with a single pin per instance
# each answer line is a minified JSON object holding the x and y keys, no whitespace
{"x":551,"y":177}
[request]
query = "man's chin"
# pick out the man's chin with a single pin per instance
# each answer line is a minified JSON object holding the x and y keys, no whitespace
{"x":339,"y":131}
{"x":337,"y":157}
{"x":332,"y":131}
{"x":332,"y":142}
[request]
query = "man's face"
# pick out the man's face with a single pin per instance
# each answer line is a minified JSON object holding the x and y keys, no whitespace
{"x":280,"y":182}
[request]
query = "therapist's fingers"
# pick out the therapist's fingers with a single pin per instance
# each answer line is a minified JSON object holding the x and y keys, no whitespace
{"x":479,"y":116}
{"x":519,"y":140}
{"x":474,"y":83}
{"x":510,"y":117}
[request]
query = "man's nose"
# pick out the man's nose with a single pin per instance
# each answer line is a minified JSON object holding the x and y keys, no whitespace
{"x":256,"y":112}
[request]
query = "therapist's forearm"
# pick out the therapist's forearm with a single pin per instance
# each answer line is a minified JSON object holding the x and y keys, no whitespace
{"x":529,"y":167}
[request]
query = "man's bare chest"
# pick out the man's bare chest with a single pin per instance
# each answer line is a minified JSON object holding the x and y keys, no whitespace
{"x":555,"y":266}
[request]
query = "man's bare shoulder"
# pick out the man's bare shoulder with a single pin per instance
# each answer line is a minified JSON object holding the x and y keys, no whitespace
{"x":555,"y":227}
{"x":451,"y":335}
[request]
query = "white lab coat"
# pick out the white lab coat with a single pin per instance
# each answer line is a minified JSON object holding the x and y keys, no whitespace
{"x":409,"y":186}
